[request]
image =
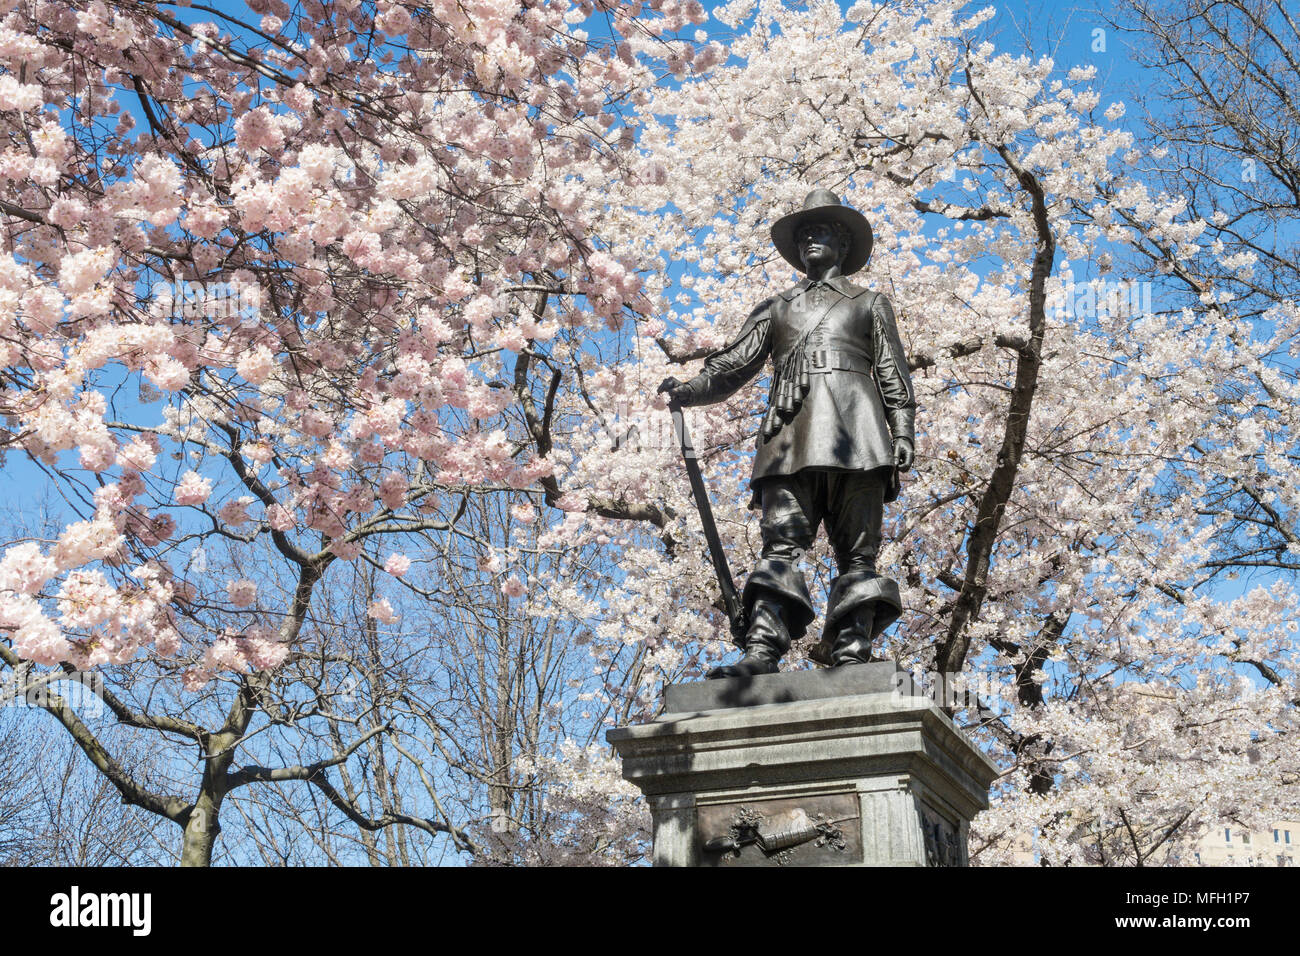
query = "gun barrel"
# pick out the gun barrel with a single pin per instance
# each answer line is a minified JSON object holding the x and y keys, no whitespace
{"x":730,"y":598}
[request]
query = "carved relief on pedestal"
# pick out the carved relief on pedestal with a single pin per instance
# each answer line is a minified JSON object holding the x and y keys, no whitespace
{"x":806,"y":831}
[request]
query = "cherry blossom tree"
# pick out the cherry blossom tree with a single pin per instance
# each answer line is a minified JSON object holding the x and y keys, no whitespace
{"x":1058,"y":542}
{"x":323,"y":248}
{"x":1220,"y":102}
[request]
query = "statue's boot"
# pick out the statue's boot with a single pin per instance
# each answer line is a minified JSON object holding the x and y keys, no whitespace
{"x":766,"y":640}
{"x":860,"y":606}
{"x":853,"y":642}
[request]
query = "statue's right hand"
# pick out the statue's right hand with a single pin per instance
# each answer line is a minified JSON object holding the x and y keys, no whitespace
{"x":675,"y":389}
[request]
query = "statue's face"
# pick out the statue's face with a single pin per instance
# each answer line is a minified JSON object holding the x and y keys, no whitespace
{"x":819,"y":246}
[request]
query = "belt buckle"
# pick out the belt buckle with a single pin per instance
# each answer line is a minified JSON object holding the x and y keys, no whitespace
{"x":819,"y":358}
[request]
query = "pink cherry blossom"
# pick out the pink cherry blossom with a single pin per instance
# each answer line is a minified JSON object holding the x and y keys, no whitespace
{"x":381,"y":611}
{"x":25,"y":568}
{"x":392,"y":490}
{"x":195,"y":678}
{"x":193,"y":489}
{"x":235,"y":513}
{"x":85,"y":541}
{"x":280,"y":517}
{"x":257,"y":365}
{"x":242,"y":592}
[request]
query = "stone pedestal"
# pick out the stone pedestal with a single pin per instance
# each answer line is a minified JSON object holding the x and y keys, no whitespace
{"x":818,"y":768}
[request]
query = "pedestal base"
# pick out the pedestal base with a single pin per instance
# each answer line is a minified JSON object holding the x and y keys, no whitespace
{"x":833,"y":767}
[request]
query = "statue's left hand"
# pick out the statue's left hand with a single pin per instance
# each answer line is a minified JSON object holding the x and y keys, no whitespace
{"x":903,"y":453}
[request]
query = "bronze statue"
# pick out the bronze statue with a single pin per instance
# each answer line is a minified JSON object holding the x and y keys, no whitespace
{"x":839,"y":428}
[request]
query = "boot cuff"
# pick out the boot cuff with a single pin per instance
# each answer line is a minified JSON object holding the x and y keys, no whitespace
{"x":858,"y":588}
{"x":786,"y":582}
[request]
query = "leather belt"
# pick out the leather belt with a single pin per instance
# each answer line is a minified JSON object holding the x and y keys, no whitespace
{"x":825,"y":361}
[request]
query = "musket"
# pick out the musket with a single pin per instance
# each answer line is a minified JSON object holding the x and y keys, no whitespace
{"x":779,"y":840}
{"x":730,"y":599}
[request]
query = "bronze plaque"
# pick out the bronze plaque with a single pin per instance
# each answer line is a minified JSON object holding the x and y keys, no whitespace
{"x":824,"y":830}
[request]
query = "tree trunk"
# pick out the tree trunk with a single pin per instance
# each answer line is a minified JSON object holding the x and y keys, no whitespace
{"x":201,"y":831}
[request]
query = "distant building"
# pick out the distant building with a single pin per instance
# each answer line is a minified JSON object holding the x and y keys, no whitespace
{"x":1225,"y":845}
{"x":1232,"y":846}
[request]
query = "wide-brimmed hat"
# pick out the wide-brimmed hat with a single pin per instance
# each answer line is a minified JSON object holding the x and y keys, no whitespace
{"x":822,"y":205}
